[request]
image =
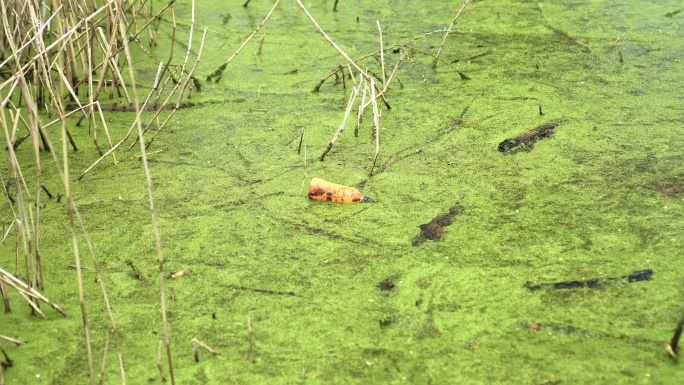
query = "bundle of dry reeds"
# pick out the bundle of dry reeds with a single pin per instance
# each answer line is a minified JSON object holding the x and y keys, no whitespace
{"x":59,"y":60}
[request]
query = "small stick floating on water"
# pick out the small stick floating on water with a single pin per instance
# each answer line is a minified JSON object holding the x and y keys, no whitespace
{"x":322,"y":190}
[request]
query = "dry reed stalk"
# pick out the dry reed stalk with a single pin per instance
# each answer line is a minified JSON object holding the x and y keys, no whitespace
{"x":252,"y":353}
{"x":368,"y":86}
{"x":405,"y":47}
{"x":148,"y":177}
{"x":77,"y":256}
{"x":5,"y":296}
{"x":178,"y":83}
{"x":350,"y":104}
{"x":219,"y":71}
{"x":196,"y":343}
{"x":189,"y":76}
{"x":386,"y":86}
{"x":448,"y":30}
{"x":112,"y":327}
{"x":11,"y":340}
{"x":104,"y":356}
{"x":673,"y":347}
{"x":330,"y":41}
{"x":2,"y":375}
{"x":382,"y":56}
{"x":26,"y":291}
{"x":359,"y":113}
{"x":261,"y":44}
{"x":160,"y":363}
{"x":376,"y":123}
{"x":303,"y":186}
{"x":130,"y":130}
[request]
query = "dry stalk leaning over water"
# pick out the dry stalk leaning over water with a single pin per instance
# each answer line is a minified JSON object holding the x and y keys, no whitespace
{"x":197,"y":343}
{"x":26,"y":292}
{"x":216,"y":75}
{"x":446,"y":33}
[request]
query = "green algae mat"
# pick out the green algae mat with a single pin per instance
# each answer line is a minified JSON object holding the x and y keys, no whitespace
{"x":525,"y":223}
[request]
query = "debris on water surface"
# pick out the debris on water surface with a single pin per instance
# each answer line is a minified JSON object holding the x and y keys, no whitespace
{"x":323,"y":190}
{"x":526,"y":141}
{"x":434,"y":230}
{"x":640,"y":275}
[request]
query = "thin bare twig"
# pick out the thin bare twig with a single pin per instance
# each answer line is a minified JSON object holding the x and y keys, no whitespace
{"x":446,"y":34}
{"x":219,"y":71}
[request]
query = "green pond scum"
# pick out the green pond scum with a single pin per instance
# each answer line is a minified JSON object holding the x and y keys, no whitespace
{"x":338,"y":294}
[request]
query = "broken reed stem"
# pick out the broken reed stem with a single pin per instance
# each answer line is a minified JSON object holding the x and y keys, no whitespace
{"x":219,"y":71}
{"x":11,"y":340}
{"x":382,"y":56}
{"x":301,"y":190}
{"x":185,"y":83}
{"x":148,"y":177}
{"x":196,"y":343}
{"x":130,"y":130}
{"x":160,"y":363}
{"x":301,"y":139}
{"x":252,"y":354}
{"x":7,"y":362}
{"x":446,"y":33}
{"x":188,"y":77}
{"x":104,"y":356}
{"x":5,"y":297}
{"x":389,"y":80}
{"x":175,"y":88}
{"x":360,"y":111}
{"x":261,"y":44}
{"x":26,"y":291}
{"x":34,"y":306}
{"x":112,"y":321}
{"x":350,"y":104}
{"x":673,"y":347}
{"x":77,"y":257}
{"x":376,"y":122}
{"x":137,"y":272}
{"x":329,"y":40}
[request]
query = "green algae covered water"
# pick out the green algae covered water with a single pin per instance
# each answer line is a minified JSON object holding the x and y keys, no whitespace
{"x":339,"y":294}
